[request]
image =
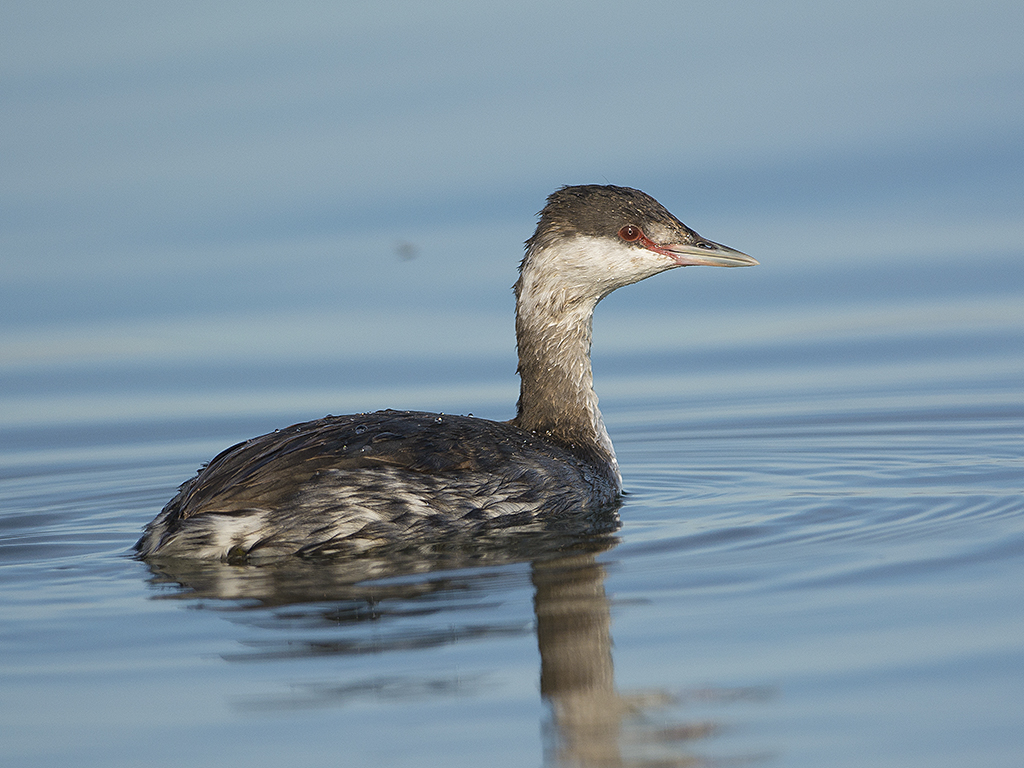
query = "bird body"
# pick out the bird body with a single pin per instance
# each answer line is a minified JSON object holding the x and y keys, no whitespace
{"x":353,"y":483}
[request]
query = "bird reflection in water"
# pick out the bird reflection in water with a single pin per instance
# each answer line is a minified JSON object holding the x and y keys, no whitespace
{"x":591,"y":723}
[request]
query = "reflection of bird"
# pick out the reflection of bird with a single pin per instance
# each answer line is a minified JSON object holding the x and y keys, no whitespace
{"x":349,"y":483}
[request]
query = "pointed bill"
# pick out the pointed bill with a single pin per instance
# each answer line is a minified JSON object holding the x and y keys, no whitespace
{"x":707,"y":253}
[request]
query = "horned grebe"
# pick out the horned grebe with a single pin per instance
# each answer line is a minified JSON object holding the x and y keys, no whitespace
{"x":352,"y":483}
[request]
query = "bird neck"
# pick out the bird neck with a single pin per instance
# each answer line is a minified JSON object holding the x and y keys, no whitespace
{"x":556,"y":396}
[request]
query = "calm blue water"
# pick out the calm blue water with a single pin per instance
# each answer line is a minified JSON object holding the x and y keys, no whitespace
{"x":218,"y":221}
{"x":821,"y":562}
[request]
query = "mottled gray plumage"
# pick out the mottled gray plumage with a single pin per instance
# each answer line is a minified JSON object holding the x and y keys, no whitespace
{"x":353,"y":483}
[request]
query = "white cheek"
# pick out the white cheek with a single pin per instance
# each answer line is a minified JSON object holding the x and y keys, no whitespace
{"x":597,"y":265}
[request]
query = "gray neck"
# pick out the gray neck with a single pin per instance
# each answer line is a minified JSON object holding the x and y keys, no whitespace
{"x":557,"y":398}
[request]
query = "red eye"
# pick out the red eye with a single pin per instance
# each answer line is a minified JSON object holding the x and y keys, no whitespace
{"x":630,"y":234}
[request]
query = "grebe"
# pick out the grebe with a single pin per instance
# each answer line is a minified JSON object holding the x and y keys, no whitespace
{"x":353,"y":483}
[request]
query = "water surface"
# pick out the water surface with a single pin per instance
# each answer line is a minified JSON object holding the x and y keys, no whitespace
{"x":218,"y":220}
{"x":820,"y":559}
